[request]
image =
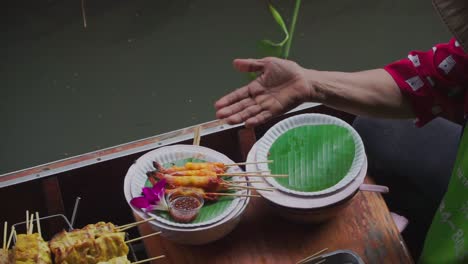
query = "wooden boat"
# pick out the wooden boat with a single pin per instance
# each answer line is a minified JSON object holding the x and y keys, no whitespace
{"x":98,"y":177}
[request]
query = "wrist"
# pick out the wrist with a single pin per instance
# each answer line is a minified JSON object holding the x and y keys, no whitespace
{"x":316,"y":86}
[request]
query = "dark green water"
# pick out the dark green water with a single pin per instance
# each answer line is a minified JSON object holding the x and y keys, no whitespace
{"x":144,"y":67}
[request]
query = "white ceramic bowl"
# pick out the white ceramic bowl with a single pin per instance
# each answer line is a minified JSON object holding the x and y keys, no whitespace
{"x":137,"y":172}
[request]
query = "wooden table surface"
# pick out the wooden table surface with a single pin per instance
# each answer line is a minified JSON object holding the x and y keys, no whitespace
{"x":365,"y":227}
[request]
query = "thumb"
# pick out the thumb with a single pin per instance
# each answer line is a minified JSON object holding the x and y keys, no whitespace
{"x":248,"y":65}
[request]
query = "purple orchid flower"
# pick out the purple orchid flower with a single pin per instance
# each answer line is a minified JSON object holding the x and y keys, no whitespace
{"x":152,"y":199}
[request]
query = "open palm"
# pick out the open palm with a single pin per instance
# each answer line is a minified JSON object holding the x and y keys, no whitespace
{"x":280,"y":87}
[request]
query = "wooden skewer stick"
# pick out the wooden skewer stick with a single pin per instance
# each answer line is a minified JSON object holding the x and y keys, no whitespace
{"x":12,"y":233}
{"x":142,"y":237}
{"x":311,"y":257}
{"x":234,"y":194}
{"x":150,"y":259}
{"x":38,"y":223}
{"x":5,"y":230}
{"x":241,"y":189}
{"x":31,"y":225}
{"x":196,"y":136}
{"x":27,"y":221}
{"x":244,"y":181}
{"x":124,"y":227}
{"x":256,"y":175}
{"x":250,"y":172}
{"x":246,"y":163}
{"x":250,"y":187}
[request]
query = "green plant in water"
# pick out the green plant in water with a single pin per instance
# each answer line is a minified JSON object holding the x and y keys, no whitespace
{"x":280,"y":49}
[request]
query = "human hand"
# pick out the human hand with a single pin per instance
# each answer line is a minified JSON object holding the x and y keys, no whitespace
{"x":280,"y":87}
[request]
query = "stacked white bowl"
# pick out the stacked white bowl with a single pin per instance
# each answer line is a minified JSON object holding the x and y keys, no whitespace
{"x":184,"y":233}
{"x":315,"y":206}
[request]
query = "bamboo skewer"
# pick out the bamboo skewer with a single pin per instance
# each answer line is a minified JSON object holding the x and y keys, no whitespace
{"x":38,"y":224}
{"x":142,"y":237}
{"x":271,"y":175}
{"x":234,"y":188}
{"x":12,"y":233}
{"x":31,"y":225}
{"x":5,"y":230}
{"x":27,"y":221}
{"x":250,"y":172}
{"x":250,"y":187}
{"x":312,"y":257}
{"x":196,"y":136}
{"x":150,"y":259}
{"x":234,"y":194}
{"x":255,"y":175}
{"x":244,"y":181}
{"x":246,"y":163}
{"x":131,"y":225}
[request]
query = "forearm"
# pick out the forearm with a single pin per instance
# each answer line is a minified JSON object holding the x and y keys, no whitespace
{"x":370,"y":93}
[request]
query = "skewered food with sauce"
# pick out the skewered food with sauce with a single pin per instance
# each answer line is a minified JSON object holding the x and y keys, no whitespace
{"x":31,"y":249}
{"x":118,"y":260}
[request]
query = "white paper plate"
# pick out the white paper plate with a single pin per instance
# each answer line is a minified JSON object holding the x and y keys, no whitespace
{"x":303,"y":202}
{"x":265,"y":143}
{"x":194,"y":235}
{"x":137,"y":174}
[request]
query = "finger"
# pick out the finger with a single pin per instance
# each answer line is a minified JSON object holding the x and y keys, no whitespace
{"x":248,"y":65}
{"x":244,"y":114}
{"x":258,"y":119}
{"x":232,"y":98}
{"x":235,"y":108}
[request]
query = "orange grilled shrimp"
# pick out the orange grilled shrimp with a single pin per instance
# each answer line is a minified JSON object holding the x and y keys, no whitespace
{"x":207,"y":183}
{"x":216,"y":167}
{"x":193,"y":173}
{"x":172,"y":169}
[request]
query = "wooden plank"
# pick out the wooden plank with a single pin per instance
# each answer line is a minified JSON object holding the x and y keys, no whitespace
{"x":52,"y":195}
{"x":53,"y":202}
{"x":246,"y":138}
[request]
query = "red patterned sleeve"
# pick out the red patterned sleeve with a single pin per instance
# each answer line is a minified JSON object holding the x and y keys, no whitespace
{"x":435,"y":82}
